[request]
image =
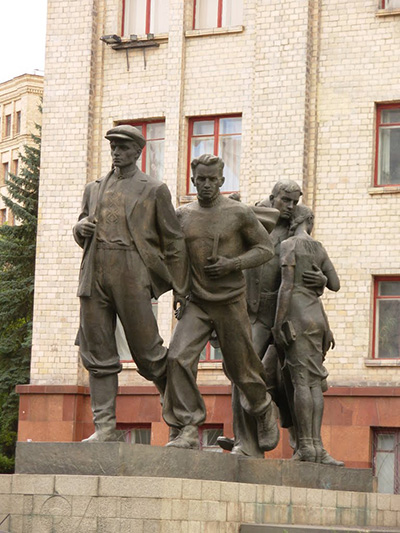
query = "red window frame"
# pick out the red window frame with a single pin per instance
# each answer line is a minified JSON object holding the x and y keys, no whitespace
{"x":377,"y":280}
{"x":216,"y":119}
{"x":219,"y":14}
{"x":379,"y":109}
{"x":148,"y":16}
{"x":396,"y":451}
{"x":383,"y":5}
{"x":3,"y":216}
{"x":208,"y":356}
{"x":143,"y":124}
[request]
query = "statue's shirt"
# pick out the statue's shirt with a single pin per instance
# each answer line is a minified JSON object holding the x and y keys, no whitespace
{"x":227,"y":228}
{"x":112,"y":224}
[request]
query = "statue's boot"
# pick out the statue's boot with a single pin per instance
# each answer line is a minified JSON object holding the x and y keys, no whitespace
{"x":225,"y":443}
{"x":103,"y":394}
{"x":267,"y":429}
{"x":306,"y":451}
{"x":188,"y":438}
{"x":323,"y":457}
{"x":239,"y":452}
{"x":173,"y":433}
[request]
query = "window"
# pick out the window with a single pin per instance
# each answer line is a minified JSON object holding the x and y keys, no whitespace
{"x":387,"y":167}
{"x":3,"y":216}
{"x":217,"y":13}
{"x":18,"y":122}
{"x":208,"y":438}
{"x":4,"y":174}
{"x":145,"y":16}
{"x":390,"y":4}
{"x":151,"y":160}
{"x":386,"y":334}
{"x":120,"y":338}
{"x":136,"y":433}
{"x":210,"y":353}
{"x":386,"y":446}
{"x":7,"y":131}
{"x":15,"y":166}
{"x":220,"y":136}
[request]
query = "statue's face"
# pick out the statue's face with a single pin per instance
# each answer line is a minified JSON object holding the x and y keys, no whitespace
{"x":123,"y":153}
{"x":285,"y":202}
{"x":208,"y":180}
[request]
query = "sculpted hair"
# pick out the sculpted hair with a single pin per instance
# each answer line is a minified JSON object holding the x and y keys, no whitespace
{"x":208,"y":160}
{"x":302,"y":213}
{"x":287,"y":186}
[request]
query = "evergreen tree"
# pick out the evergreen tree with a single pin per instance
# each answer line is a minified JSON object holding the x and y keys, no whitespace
{"x":17,"y":265}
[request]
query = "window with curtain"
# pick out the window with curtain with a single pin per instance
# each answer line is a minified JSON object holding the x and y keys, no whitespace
{"x":135,"y":433}
{"x":4,"y":174}
{"x":221,"y":136}
{"x":7,"y":130}
{"x":390,"y":4}
{"x":151,"y":160}
{"x":120,"y":337}
{"x":208,"y":435}
{"x":387,"y":169}
{"x":145,"y":16}
{"x":387,"y":317}
{"x":386,"y":446}
{"x":217,"y":13}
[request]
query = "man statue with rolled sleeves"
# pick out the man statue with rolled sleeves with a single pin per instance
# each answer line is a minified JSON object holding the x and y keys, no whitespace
{"x":133,"y":250}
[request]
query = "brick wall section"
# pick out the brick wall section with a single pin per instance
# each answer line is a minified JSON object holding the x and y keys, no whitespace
{"x":305,"y":76}
{"x":147,"y":505}
{"x":357,"y":227}
{"x":66,"y":152}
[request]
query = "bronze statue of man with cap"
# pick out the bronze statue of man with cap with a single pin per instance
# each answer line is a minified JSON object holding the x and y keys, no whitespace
{"x":133,"y":250}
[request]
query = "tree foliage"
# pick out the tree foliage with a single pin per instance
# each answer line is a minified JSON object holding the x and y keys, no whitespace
{"x":17,"y":266}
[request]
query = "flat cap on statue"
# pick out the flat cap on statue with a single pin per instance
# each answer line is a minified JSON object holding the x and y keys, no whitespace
{"x":124,"y":132}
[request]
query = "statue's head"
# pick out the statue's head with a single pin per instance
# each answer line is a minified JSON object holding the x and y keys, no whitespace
{"x":285,"y":195}
{"x":302,"y":214}
{"x":207,"y":176}
{"x":126,"y":143}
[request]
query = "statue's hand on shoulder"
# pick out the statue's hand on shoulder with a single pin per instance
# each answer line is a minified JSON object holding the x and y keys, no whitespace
{"x":315,"y":279}
{"x":221,"y":266}
{"x":86,"y":226}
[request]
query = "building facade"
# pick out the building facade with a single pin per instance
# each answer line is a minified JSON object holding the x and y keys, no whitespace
{"x":19,"y":101}
{"x":305,"y":89}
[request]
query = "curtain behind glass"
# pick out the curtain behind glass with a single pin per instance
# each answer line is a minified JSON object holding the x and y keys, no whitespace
{"x":159,"y":18}
{"x":392,"y":4}
{"x":206,"y":14}
{"x":135,"y":17}
{"x":232,"y":12}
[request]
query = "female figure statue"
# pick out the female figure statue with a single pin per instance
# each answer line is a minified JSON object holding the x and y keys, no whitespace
{"x":302,"y":331}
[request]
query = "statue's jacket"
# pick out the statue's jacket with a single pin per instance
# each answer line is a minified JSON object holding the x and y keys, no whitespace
{"x":154,"y":229}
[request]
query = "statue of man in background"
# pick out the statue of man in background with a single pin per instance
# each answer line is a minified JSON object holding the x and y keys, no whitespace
{"x":263,"y":285}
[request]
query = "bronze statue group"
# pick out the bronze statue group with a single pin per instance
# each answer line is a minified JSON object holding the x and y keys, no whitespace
{"x":250,"y":276}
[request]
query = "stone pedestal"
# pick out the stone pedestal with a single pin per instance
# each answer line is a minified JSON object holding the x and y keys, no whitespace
{"x":122,"y":459}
